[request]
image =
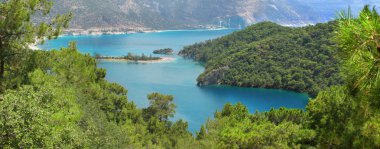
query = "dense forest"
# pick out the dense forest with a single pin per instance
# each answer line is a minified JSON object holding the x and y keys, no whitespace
{"x":166,"y":51}
{"x":60,"y":99}
{"x":268,"y":55}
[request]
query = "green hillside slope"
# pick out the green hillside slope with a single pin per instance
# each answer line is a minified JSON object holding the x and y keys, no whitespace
{"x":270,"y":56}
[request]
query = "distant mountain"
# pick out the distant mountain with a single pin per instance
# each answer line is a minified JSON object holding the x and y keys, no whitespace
{"x":186,"y":14}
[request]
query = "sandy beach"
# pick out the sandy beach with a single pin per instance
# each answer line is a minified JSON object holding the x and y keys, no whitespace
{"x":33,"y":47}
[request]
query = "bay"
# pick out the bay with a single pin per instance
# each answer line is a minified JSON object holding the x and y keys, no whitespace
{"x":177,"y":77}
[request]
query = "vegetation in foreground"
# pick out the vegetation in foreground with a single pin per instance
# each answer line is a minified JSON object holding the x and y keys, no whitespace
{"x":60,"y":99}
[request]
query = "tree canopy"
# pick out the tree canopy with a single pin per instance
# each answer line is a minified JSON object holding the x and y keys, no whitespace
{"x":17,"y":31}
{"x":61,"y":99}
{"x":268,"y":55}
{"x":348,"y":116}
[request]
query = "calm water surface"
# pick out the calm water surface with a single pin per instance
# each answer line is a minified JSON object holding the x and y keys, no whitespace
{"x":178,"y":77}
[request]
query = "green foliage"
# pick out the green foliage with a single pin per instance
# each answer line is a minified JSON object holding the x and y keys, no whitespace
{"x":234,"y":127}
{"x":161,"y":106}
{"x":202,"y":133}
{"x":60,"y":99}
{"x":271,"y":56}
{"x":359,"y":39}
{"x":40,"y":116}
{"x":330,"y":113}
{"x":129,"y":57}
{"x":17,"y":31}
{"x":65,"y":102}
{"x":166,"y":51}
{"x":347,"y":116}
{"x":162,"y":131}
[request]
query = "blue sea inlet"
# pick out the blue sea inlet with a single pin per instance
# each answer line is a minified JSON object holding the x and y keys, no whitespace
{"x":176,"y":77}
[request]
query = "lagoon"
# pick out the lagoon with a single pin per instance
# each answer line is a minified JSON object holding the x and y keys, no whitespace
{"x":178,"y":77}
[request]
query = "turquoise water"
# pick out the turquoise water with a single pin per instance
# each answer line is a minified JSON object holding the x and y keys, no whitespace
{"x":178,"y":78}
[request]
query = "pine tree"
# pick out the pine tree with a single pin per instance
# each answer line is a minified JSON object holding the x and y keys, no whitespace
{"x":347,"y":116}
{"x":18,"y":31}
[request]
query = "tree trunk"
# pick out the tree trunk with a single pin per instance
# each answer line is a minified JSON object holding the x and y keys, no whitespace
{"x":2,"y":88}
{"x":2,"y":63}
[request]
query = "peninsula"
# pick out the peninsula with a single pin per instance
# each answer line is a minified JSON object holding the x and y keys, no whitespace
{"x":130,"y":57}
{"x":135,"y":58}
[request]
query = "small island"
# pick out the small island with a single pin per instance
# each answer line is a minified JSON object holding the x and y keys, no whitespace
{"x":129,"y":57}
{"x":166,"y":51}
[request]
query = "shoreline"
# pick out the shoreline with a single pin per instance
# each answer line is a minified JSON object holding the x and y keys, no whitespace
{"x":33,"y":46}
{"x":161,"y":60}
{"x":99,"y":32}
{"x":120,"y":31}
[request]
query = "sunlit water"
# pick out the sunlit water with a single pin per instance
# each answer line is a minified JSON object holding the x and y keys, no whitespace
{"x":178,"y":78}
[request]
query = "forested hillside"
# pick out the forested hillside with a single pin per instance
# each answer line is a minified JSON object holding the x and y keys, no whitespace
{"x":271,"y":56}
{"x":60,"y":99}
